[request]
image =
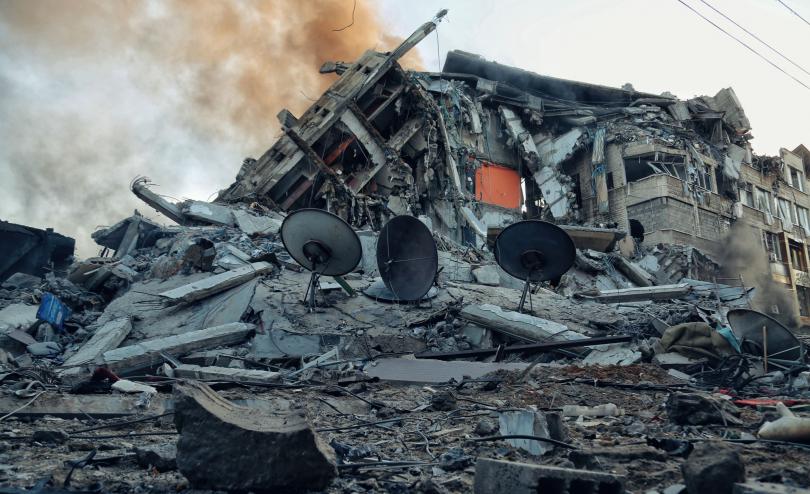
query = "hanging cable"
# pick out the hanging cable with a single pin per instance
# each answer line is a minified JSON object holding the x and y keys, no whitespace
{"x":756,"y":38}
{"x":794,"y":12}
{"x":738,"y":40}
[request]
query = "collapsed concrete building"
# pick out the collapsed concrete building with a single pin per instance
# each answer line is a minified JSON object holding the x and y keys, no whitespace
{"x":481,"y":145}
{"x":633,"y":371}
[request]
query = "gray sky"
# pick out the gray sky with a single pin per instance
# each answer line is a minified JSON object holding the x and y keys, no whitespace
{"x":656,"y":45}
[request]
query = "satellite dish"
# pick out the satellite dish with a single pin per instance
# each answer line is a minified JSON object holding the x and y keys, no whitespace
{"x":407,"y":260}
{"x":534,"y":251}
{"x":776,"y":342}
{"x":322,"y":243}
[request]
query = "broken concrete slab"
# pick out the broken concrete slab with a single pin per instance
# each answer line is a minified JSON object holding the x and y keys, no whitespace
{"x":638,"y":294}
{"x":616,"y":354}
{"x":81,"y":406}
{"x":672,"y":360}
{"x":227,"y":374}
{"x":147,"y":353}
{"x":223,"y":446}
{"x":633,"y":272}
{"x":217,"y":283}
{"x":18,"y":316}
{"x":498,"y":476}
{"x":429,"y":371}
{"x":105,"y":338}
{"x":153,"y":320}
{"x":207,"y":212}
{"x":526,"y":422}
{"x":598,"y":239}
{"x":276,"y":344}
{"x":454,"y":269}
{"x":515,"y":324}
{"x":140,"y":187}
{"x":487,"y":275}
{"x":256,"y":225}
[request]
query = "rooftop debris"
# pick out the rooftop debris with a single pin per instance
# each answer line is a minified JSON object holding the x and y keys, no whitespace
{"x":218,"y":356}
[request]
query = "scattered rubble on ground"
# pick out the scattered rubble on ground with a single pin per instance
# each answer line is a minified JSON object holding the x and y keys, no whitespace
{"x":191,"y":356}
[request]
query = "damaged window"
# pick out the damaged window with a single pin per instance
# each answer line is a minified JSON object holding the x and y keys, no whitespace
{"x":655,"y":164}
{"x":795,"y":178}
{"x":762,"y":200}
{"x":797,"y":256}
{"x":784,"y":212}
{"x":747,"y":194}
{"x":802,"y":218}
{"x":773,"y":246}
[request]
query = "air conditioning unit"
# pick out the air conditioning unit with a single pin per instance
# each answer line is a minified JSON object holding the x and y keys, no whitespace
{"x":772,"y":257}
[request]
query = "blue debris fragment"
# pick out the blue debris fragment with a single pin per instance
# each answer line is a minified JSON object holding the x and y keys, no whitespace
{"x":53,"y":311}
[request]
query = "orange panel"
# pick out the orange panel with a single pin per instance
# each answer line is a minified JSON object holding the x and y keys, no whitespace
{"x":498,"y":185}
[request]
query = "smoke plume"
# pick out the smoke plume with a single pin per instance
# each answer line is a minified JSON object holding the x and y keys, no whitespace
{"x":97,"y":92}
{"x":744,"y":255}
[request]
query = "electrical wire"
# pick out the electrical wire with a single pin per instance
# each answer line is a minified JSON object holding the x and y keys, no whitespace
{"x":756,"y":37}
{"x":354,"y":7}
{"x":738,"y":40}
{"x":794,"y":12}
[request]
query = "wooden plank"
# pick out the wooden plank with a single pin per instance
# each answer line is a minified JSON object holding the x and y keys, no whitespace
{"x":82,"y":406}
{"x":227,"y":374}
{"x":147,"y":353}
{"x":212,"y":285}
{"x":106,"y":338}
{"x":517,"y":325}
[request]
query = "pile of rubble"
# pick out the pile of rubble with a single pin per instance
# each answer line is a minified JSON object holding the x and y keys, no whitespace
{"x":183,"y":356}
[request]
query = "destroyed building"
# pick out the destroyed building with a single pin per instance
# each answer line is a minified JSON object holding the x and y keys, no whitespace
{"x":192,"y":355}
{"x":481,"y":144}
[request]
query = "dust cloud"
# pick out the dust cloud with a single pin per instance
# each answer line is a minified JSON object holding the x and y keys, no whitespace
{"x":93,"y":93}
{"x":745,"y":255}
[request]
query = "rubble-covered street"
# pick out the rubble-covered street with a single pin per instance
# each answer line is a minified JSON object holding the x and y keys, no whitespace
{"x":644,"y":351}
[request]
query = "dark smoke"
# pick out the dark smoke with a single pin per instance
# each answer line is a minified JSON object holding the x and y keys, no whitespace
{"x":93,"y":93}
{"x":744,"y":255}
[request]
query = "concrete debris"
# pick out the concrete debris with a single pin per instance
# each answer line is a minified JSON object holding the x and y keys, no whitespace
{"x":162,"y":458}
{"x":223,"y":446}
{"x":606,"y":410}
{"x":530,"y":423}
{"x":616,"y":354}
{"x":698,"y":409}
{"x":215,"y":284}
{"x":18,"y":316}
{"x":69,"y":406}
{"x":107,"y":337}
{"x":226,"y":374}
{"x":126,"y":386}
{"x":522,"y":326}
{"x":619,"y":367}
{"x":713,"y":468}
{"x":150,"y":352}
{"x":496,"y":476}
